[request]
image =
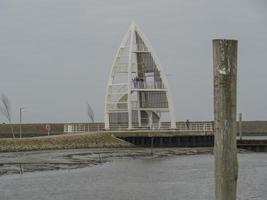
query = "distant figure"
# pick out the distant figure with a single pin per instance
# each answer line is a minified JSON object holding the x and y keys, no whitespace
{"x":212,"y":124}
{"x":187,"y":124}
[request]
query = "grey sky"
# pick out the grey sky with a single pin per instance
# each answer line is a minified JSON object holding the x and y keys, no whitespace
{"x":55,"y":55}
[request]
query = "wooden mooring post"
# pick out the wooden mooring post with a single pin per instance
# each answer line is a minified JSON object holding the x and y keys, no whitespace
{"x":225,"y":149}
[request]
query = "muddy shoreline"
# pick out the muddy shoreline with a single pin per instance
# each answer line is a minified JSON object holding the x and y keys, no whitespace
{"x":33,"y":161}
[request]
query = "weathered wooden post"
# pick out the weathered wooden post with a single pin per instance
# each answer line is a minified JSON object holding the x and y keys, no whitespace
{"x":225,"y":149}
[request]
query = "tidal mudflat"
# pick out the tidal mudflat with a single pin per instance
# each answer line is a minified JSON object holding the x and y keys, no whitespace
{"x":18,"y":162}
{"x":121,"y":174}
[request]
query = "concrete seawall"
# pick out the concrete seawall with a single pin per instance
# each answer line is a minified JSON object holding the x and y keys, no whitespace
{"x":254,"y":127}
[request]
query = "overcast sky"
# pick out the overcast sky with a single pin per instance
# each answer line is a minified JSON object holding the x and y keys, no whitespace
{"x":55,"y":55}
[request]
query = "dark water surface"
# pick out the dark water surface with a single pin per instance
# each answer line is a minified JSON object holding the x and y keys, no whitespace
{"x":185,"y":177}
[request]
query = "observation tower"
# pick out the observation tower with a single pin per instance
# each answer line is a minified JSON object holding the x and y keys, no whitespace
{"x":138,"y":94}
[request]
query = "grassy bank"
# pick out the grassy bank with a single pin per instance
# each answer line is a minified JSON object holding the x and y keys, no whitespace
{"x":66,"y":141}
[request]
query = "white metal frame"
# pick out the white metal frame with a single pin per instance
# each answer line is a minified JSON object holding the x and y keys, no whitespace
{"x":129,"y":41}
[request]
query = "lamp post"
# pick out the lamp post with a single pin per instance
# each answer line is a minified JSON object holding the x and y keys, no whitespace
{"x":20,"y":121}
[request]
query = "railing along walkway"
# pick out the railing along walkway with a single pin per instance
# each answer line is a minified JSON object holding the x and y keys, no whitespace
{"x":180,"y":126}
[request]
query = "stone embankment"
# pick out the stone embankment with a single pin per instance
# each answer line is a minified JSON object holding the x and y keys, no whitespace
{"x":66,"y":141}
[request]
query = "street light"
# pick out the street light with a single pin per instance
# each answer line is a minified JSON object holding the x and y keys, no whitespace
{"x":20,"y":121}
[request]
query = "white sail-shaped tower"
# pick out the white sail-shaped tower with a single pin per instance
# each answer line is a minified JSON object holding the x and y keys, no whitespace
{"x":138,"y":92}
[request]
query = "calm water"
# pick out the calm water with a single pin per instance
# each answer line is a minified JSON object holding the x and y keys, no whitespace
{"x":178,"y":177}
